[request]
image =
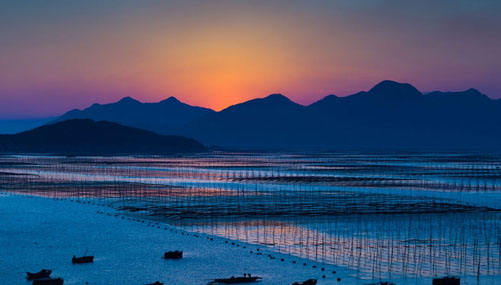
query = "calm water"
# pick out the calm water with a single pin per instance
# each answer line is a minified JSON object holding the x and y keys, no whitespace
{"x":382,"y":215}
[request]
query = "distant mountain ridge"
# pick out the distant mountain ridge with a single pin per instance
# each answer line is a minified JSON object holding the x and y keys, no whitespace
{"x":390,"y":115}
{"x":87,"y":137}
{"x":164,"y":117}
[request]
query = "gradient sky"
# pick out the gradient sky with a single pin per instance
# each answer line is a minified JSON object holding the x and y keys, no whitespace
{"x":59,"y":55}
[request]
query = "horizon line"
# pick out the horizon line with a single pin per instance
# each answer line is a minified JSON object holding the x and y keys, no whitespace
{"x":53,"y":116}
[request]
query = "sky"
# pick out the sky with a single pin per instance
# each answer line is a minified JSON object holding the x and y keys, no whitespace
{"x":56,"y":55}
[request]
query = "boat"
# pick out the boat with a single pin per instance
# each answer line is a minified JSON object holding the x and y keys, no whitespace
{"x":48,"y":281}
{"x":156,"y":283}
{"x":448,"y":280}
{"x":44,"y":273}
{"x":176,"y":254}
{"x":83,"y":259}
{"x":307,"y":282}
{"x":236,"y":280}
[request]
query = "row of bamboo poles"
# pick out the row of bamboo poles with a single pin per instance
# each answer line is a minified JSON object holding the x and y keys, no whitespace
{"x":378,"y":214}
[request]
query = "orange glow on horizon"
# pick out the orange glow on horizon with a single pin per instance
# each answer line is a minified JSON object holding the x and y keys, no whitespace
{"x":218,"y":68}
{"x":218,"y":53}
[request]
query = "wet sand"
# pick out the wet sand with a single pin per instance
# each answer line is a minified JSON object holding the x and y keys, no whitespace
{"x":38,"y":233}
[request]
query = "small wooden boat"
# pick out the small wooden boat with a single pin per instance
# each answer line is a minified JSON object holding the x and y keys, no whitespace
{"x":307,"y":282}
{"x":44,"y":273}
{"x":449,"y":280}
{"x":48,"y":281}
{"x":236,"y":280}
{"x":83,"y":259}
{"x":176,"y":254}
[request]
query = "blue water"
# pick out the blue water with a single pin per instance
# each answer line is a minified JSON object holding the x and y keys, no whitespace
{"x":385,"y":215}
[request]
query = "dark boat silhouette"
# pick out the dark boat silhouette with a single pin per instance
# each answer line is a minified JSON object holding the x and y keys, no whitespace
{"x":176,"y":254}
{"x":48,"y":281}
{"x":156,"y":283}
{"x":307,"y":282}
{"x":448,"y":280}
{"x":236,"y":280}
{"x":44,"y":273}
{"x":83,"y":259}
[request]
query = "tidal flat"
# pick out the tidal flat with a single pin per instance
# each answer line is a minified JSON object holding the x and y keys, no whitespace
{"x":400,"y":217}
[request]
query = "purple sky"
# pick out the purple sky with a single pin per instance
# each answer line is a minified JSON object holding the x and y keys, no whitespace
{"x":59,"y":55}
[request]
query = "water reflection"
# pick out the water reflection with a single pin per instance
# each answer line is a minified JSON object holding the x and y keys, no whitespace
{"x":383,"y":215}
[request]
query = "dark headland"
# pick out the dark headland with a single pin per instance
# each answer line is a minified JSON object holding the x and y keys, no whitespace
{"x":86,"y":137}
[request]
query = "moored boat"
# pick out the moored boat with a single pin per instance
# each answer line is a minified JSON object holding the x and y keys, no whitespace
{"x":176,"y":254}
{"x":83,"y":259}
{"x":448,"y":280}
{"x":44,"y":273}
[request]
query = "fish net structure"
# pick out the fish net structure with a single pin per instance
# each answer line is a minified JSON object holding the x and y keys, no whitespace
{"x":380,"y":214}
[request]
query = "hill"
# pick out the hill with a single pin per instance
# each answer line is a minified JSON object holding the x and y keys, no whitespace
{"x":84,"y":136}
{"x":391,"y":115}
{"x":164,"y":117}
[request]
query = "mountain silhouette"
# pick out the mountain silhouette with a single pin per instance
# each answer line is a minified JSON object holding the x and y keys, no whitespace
{"x":388,"y":116}
{"x":84,"y":136}
{"x":262,"y":123}
{"x":163,"y":117}
{"x":391,"y":90}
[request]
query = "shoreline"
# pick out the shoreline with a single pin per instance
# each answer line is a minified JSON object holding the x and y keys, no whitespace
{"x":38,"y":232}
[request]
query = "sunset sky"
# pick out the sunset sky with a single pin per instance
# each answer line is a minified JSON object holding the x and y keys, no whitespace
{"x":59,"y":55}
